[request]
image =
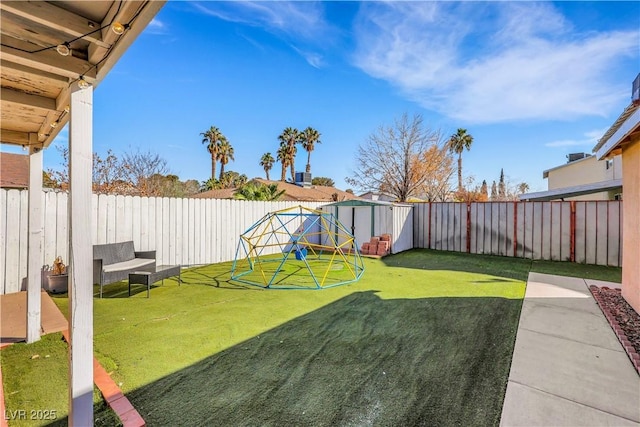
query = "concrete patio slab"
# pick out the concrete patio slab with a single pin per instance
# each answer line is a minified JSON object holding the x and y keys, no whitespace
{"x":568,"y":367}
{"x":585,"y":326}
{"x":556,"y":286}
{"x":528,"y":402}
{"x":593,"y":376}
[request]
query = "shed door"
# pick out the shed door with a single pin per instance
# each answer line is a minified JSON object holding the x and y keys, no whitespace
{"x":362,"y":224}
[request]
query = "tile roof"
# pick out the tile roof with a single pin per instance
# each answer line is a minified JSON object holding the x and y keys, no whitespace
{"x":292,"y":192}
{"x":14,"y":170}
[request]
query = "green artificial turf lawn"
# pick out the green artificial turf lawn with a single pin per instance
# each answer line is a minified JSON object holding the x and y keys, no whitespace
{"x":425,"y":337}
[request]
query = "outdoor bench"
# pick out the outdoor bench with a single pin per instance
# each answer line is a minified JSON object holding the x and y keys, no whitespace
{"x":112,"y":262}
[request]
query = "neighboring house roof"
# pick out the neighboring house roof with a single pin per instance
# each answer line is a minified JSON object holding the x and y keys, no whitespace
{"x":14,"y":170}
{"x":619,"y":132}
{"x":577,"y":190}
{"x":225,"y":193}
{"x":292,"y":192}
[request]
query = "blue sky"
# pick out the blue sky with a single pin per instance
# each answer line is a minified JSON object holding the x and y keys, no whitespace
{"x":531,"y":82}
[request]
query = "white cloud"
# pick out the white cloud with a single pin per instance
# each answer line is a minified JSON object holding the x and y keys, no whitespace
{"x":301,"y":23}
{"x":512,"y":61}
{"x":589,"y":140}
{"x":157,"y":27}
{"x":298,"y":19}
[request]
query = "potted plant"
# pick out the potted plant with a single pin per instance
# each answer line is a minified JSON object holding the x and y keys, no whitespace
{"x":56,"y":280}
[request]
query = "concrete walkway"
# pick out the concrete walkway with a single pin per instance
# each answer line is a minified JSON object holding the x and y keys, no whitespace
{"x":568,"y":367}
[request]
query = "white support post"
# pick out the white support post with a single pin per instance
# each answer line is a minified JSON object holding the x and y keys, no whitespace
{"x":34,"y":246}
{"x":81,"y":258}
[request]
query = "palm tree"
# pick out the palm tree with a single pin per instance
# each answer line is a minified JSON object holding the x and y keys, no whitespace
{"x":212,"y":138}
{"x":309,"y":137}
{"x":458,"y":142}
{"x":225,"y":153}
{"x":283,"y":158}
{"x":290,"y":137}
{"x":257,"y":191}
{"x":266,"y":161}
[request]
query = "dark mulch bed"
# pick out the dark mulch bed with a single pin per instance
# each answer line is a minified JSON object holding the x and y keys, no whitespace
{"x":623,"y":319}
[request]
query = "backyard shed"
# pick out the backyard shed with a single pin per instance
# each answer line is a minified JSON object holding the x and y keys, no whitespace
{"x":368,"y":218}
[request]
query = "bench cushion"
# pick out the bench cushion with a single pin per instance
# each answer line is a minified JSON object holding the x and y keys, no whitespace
{"x":131,"y":264}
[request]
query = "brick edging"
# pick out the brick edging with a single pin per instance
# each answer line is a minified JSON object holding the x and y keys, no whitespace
{"x":622,"y":337}
{"x":112,"y":394}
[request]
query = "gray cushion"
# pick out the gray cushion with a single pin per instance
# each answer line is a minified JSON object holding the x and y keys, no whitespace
{"x":127,"y":265}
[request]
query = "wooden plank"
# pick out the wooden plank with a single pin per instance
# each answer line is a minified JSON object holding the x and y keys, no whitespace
{"x":81,"y":262}
{"x":50,"y":228}
{"x":26,"y":99}
{"x":591,"y":225}
{"x":135,"y":223}
{"x":34,"y":245}
{"x":176,"y":222}
{"x":538,"y":230}
{"x":503,"y":235}
{"x":486,"y":228}
{"x":201,"y":237}
{"x":565,"y":232}
{"x":167,"y":244}
{"x":473,"y":231}
{"x":120,"y":222}
{"x":111,"y":218}
{"x":580,"y":232}
{"x":62,"y":234}
{"x":520,"y":227}
{"x":614,"y":237}
{"x":144,"y":224}
{"x":94,"y":218}
{"x":159,"y":247}
{"x":3,"y":242}
{"x":545,"y":243}
{"x":24,"y":237}
{"x":602,"y":231}
{"x":191,"y":219}
{"x":12,"y":238}
{"x":103,"y":211}
{"x":555,"y":242}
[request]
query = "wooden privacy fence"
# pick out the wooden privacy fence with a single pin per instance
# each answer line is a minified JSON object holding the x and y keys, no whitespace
{"x":181,"y":231}
{"x":587,"y":232}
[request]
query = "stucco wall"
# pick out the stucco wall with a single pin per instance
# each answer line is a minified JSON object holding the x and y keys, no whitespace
{"x":585,"y":171}
{"x":631,"y":224}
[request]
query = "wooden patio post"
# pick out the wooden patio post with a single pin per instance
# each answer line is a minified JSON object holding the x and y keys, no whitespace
{"x":80,"y":257}
{"x":34,"y":245}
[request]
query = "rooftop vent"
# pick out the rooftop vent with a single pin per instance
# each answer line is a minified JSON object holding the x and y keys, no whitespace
{"x":635,"y":91}
{"x":576,"y":156}
{"x":303,"y":179}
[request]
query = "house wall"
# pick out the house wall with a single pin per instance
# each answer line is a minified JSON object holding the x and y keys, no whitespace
{"x":631,"y":224}
{"x":586,"y":171}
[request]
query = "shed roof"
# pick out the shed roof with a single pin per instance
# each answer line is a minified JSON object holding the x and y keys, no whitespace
{"x":367,"y":202}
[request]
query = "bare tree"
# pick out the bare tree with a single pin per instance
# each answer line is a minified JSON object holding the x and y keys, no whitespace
{"x":141,"y":170}
{"x":389,"y":160}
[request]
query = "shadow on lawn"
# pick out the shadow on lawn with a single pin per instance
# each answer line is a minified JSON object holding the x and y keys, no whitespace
{"x":428,"y":259}
{"x":358,"y":361}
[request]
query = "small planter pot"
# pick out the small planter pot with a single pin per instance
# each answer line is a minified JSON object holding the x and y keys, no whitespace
{"x":57,"y":284}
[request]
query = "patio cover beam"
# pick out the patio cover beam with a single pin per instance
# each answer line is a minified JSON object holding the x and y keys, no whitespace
{"x":34,"y":252}
{"x":81,"y":258}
